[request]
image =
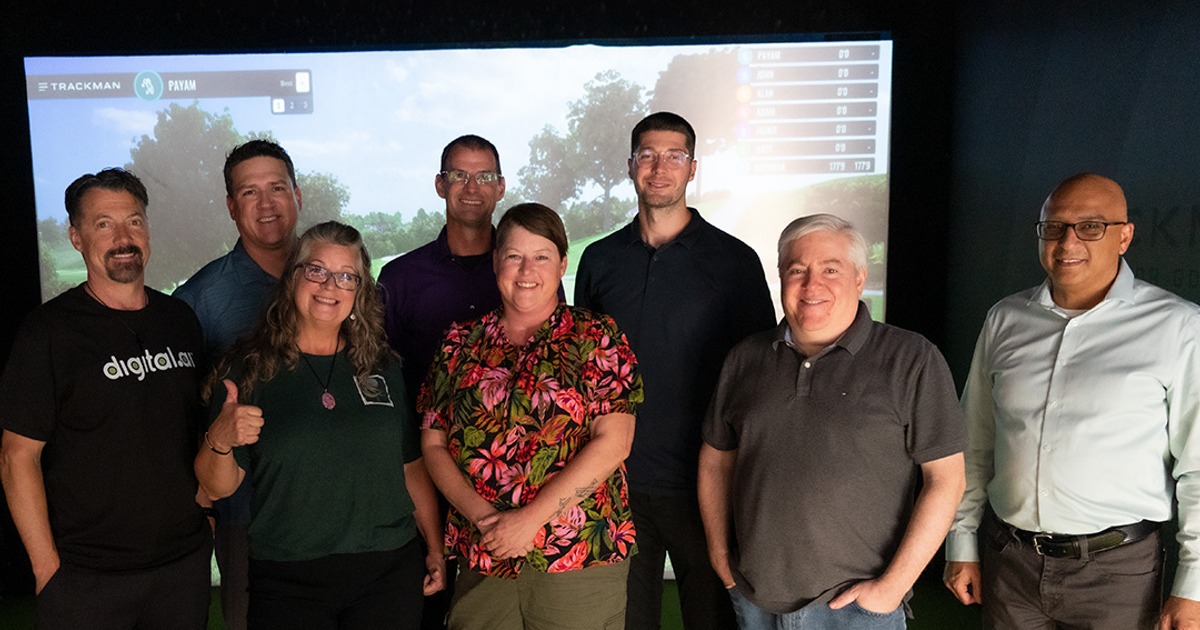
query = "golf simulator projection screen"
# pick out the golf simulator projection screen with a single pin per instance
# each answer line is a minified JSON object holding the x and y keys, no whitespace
{"x":789,"y":127}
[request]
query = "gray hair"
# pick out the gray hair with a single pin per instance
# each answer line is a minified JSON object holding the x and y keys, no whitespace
{"x":825,"y":223}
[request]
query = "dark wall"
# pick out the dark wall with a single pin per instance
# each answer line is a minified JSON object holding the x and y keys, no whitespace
{"x":1045,"y":91}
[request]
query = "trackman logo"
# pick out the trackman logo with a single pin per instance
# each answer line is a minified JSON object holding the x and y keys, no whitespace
{"x":140,"y":365}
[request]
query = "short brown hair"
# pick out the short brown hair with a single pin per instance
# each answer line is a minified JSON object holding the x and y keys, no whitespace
{"x":536,"y":218}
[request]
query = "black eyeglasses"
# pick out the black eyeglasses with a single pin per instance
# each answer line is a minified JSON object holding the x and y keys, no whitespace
{"x":341,"y":279}
{"x":1084,"y":230}
{"x":460,"y":177}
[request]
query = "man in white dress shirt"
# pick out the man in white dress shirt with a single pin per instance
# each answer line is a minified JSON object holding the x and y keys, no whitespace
{"x":1081,"y":405}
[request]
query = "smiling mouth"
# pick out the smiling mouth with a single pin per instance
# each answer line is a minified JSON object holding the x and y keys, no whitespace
{"x":125,"y":253}
{"x":526,"y":285}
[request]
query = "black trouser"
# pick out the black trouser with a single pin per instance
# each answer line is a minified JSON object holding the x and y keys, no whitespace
{"x":171,"y":597}
{"x":672,"y":526}
{"x":380,"y":589}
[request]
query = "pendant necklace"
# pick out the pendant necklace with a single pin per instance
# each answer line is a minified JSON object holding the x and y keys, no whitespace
{"x":327,"y":398}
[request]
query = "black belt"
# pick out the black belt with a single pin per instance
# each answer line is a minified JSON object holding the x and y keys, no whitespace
{"x":1067,"y":546}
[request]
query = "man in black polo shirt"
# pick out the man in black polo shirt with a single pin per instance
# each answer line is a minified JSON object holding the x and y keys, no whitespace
{"x":684,"y":293}
{"x":817,"y":437}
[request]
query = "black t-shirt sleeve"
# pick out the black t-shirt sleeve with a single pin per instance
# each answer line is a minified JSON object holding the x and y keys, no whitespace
{"x":27,"y":400}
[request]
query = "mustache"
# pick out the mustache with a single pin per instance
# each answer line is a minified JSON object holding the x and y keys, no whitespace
{"x":125,"y":249}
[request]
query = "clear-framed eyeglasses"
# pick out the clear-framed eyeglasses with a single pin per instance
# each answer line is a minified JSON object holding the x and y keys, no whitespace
{"x":673,"y":158}
{"x":482,"y":178}
{"x":1084,"y":230}
{"x":341,"y":279}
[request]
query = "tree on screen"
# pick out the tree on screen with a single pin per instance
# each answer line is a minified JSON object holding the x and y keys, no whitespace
{"x":703,"y":89}
{"x":598,"y":125}
{"x":565,"y":170}
{"x":550,"y":178}
{"x":182,"y":166}
{"x":52,"y":237}
{"x":323,"y":198}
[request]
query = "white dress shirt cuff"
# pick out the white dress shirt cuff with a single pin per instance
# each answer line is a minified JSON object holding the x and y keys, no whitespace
{"x":1187,"y":583}
{"x":964,"y":547}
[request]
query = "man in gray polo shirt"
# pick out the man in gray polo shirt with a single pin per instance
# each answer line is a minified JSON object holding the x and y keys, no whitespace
{"x":817,"y":438}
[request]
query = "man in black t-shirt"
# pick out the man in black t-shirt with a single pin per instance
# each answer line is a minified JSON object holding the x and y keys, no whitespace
{"x":100,"y":408}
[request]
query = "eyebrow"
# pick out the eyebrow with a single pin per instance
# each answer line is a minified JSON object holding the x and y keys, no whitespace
{"x":827,"y":261}
{"x":282,"y":180}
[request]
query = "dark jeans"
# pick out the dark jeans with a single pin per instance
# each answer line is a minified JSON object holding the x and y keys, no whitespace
{"x":1117,"y":589}
{"x":379,"y":589}
{"x":171,"y":597}
{"x":817,"y":616}
{"x":671,"y":526}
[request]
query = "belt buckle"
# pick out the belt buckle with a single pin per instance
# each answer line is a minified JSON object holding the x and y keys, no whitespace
{"x":1037,"y":542}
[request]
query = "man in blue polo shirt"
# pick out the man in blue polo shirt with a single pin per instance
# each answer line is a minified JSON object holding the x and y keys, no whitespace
{"x":684,"y":292}
{"x":229,"y":296}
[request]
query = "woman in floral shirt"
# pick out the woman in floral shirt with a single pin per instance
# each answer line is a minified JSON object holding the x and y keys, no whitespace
{"x":528,"y":418}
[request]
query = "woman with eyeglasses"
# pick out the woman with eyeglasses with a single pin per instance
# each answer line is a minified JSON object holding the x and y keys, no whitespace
{"x":311,"y":408}
{"x":528,"y":416}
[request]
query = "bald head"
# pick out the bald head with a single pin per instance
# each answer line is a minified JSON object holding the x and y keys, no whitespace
{"x":1090,"y":188}
{"x":1082,"y":270}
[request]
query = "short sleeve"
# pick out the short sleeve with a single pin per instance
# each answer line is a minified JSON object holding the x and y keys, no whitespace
{"x":610,"y":370}
{"x":27,"y":399}
{"x":436,"y":394}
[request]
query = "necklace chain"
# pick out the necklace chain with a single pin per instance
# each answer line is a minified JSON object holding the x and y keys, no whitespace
{"x":87,"y":288}
{"x":327,"y":398}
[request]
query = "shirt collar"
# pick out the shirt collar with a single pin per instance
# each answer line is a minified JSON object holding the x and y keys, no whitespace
{"x":247,"y":270}
{"x":542,"y":333}
{"x":1121,"y":289}
{"x":441,"y":245}
{"x":633,"y":233}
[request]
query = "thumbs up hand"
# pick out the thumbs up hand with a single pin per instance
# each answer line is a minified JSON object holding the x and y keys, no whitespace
{"x":237,"y":424}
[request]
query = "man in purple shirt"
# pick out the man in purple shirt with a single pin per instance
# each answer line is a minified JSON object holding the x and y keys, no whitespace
{"x":448,"y":280}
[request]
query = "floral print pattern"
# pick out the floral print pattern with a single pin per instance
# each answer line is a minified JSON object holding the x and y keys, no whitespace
{"x":516,"y":416}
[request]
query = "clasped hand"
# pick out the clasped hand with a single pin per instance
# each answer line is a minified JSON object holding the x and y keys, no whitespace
{"x":508,"y":534}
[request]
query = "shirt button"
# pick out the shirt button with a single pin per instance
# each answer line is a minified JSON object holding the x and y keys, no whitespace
{"x":1046,"y":448}
{"x":472,"y":307}
{"x":807,"y":364}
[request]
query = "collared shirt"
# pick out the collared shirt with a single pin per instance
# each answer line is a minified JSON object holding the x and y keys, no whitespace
{"x":228,"y":296}
{"x":515,"y":417}
{"x":1078,"y":424}
{"x":683,"y":306}
{"x":427,"y":290}
{"x":828,"y":459}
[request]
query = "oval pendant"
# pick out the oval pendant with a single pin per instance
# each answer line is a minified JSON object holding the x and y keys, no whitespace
{"x":328,"y":401}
